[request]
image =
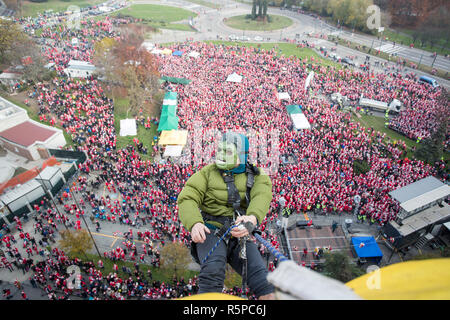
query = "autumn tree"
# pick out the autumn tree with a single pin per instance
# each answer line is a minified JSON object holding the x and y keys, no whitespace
{"x":338,"y":266}
{"x":10,"y":35}
{"x":175,"y":258}
{"x":75,"y":242}
{"x":127,"y":64}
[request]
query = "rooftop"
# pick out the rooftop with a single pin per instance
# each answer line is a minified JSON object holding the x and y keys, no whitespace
{"x":27,"y":133}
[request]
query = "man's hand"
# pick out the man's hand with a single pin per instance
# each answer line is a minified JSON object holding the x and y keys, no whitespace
{"x":237,"y":232}
{"x":198,"y":232}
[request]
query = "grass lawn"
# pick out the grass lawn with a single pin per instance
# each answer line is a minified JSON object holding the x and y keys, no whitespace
{"x":377,"y":123}
{"x":241,"y":23}
{"x":144,"y":135}
{"x":405,"y":37}
{"x":157,"y":273}
{"x":156,"y":13}
{"x":205,"y":3}
{"x":287,"y":49}
{"x":157,"y":16}
{"x":33,"y":8}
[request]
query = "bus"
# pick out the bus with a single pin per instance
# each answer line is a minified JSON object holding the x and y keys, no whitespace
{"x":428,"y":80}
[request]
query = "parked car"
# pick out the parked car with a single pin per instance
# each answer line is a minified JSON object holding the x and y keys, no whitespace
{"x":348,"y":61}
{"x":258,"y":38}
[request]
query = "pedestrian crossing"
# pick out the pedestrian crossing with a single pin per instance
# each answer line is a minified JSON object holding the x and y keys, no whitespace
{"x":389,"y":48}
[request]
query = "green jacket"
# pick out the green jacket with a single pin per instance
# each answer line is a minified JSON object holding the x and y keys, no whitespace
{"x":206,"y":190}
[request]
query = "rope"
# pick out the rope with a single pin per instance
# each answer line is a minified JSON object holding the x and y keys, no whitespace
{"x":218,"y":242}
{"x":277,"y":254}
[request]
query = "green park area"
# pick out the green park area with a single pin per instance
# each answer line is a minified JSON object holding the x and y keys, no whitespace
{"x":32,"y":9}
{"x":144,"y":135}
{"x":159,"y":17}
{"x":244,"y":22}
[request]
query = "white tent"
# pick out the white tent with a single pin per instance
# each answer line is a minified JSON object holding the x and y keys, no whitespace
{"x":157,"y":51}
{"x":194,"y":54}
{"x":234,"y":77}
{"x":148,"y":45}
{"x":128,"y":127}
{"x":309,"y":79}
{"x":300,"y":121}
{"x":283,"y":96}
{"x":173,"y":151}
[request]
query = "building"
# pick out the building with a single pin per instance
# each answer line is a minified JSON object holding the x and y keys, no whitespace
{"x":10,"y":76}
{"x":22,"y":197}
{"x":424,"y":210}
{"x":10,"y":114}
{"x":419,"y":195}
{"x":31,"y":139}
{"x":79,"y":69}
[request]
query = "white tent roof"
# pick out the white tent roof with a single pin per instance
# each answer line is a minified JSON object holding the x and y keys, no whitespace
{"x":173,"y":151}
{"x":300,"y":121}
{"x":156,"y":51}
{"x":234,"y":77}
{"x":194,"y":54}
{"x":170,"y":102}
{"x":283,"y":96}
{"x":426,"y":198}
{"x":128,"y":127}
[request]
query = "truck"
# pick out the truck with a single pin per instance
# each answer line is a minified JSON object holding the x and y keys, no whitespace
{"x":394,"y":106}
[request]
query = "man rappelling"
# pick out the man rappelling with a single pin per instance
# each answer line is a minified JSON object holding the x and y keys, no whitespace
{"x":213,"y":205}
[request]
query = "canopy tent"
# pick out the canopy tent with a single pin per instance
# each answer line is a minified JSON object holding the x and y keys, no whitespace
{"x":176,"y":80}
{"x":169,"y":111}
{"x":283,"y":96}
{"x":367,"y":247}
{"x":128,"y":127}
{"x":294,"y":108}
{"x":177,"y":53}
{"x":157,"y":51}
{"x":234,"y":77}
{"x":166,"y":51}
{"x":173,"y":137}
{"x":168,"y":123}
{"x":309,"y":79}
{"x":298,"y":118}
{"x":194,"y":54}
{"x":168,"y":119}
{"x":173,"y":151}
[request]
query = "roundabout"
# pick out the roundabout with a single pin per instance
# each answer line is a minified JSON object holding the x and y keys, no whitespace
{"x":244,"y":22}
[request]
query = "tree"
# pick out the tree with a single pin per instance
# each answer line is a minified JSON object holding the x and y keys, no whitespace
{"x":127,"y":64}
{"x":75,"y":242}
{"x":10,"y":34}
{"x":175,"y":257}
{"x":338,"y":266}
{"x":253,"y":10}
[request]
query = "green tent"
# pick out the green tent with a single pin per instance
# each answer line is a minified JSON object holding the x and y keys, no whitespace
{"x":176,"y":80}
{"x":169,"y":110}
{"x":292,"y":109}
{"x":168,"y":119}
{"x":168,"y":123}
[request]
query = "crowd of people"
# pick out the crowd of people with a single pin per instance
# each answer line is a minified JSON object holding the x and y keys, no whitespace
{"x":323,"y":177}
